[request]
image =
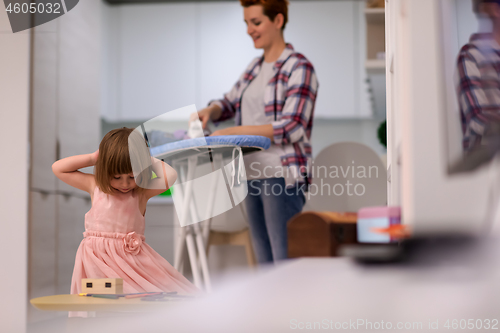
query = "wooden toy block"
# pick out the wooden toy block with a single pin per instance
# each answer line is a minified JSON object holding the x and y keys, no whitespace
{"x":102,"y":286}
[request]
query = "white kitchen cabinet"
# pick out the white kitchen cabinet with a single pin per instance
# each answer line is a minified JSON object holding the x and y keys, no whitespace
{"x":42,"y":251}
{"x":45,"y":92}
{"x":225,"y":49}
{"x":159,"y":57}
{"x":79,"y":93}
{"x":68,"y":235}
{"x":66,"y":59}
{"x":329,"y":34}
{"x":157,"y":50}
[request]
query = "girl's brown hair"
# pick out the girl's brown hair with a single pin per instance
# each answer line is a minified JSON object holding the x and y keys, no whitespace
{"x":114,"y":157}
{"x":271,"y":8}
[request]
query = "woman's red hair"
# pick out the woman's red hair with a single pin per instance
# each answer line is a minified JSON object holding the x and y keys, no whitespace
{"x":271,"y":8}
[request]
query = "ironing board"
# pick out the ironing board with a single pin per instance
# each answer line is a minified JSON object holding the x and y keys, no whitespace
{"x":185,"y":157}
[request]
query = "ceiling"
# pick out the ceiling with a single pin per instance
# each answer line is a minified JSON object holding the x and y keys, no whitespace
{"x":152,"y":1}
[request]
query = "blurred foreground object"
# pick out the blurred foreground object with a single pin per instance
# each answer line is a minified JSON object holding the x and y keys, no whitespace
{"x":443,"y":279}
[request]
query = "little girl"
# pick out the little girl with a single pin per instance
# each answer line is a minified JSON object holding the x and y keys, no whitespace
{"x":114,"y":245}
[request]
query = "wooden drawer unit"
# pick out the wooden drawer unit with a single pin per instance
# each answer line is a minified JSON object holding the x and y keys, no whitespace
{"x":319,"y":234}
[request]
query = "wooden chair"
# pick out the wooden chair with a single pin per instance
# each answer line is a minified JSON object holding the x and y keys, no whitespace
{"x":241,"y":238}
{"x":231,"y":228}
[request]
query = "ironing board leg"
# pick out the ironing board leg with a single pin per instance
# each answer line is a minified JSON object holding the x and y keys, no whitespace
{"x":217,"y":167}
{"x":196,"y":232}
{"x":179,"y":250}
{"x":185,"y":191}
{"x":203,"y":257}
{"x":200,"y":242}
{"x":192,"y":256}
{"x":216,"y":164}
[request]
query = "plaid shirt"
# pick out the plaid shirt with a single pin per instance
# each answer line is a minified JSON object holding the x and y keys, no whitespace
{"x":478,"y":88}
{"x":289,"y":100}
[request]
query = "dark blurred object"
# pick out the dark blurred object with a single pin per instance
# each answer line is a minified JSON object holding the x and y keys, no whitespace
{"x":373,"y":254}
{"x":426,"y":251}
{"x":319,"y":234}
{"x":382,"y":134}
{"x":438,"y":250}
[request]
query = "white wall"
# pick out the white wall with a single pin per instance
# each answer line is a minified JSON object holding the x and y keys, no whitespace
{"x":14,"y":149}
{"x":393,"y":122}
{"x":431,"y":200}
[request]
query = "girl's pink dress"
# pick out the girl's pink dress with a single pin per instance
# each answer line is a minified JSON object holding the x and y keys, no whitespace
{"x":114,"y":247}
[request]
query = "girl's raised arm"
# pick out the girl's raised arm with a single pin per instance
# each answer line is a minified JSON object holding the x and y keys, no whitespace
{"x":67,"y":168}
{"x":166,"y":177}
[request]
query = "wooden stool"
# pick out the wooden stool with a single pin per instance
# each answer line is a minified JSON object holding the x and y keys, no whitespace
{"x":319,"y":234}
{"x":241,"y":238}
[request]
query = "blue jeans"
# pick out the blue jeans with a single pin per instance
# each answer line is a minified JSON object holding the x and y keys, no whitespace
{"x":269,"y":207}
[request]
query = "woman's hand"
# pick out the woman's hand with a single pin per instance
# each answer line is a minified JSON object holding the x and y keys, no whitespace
{"x":261,"y":130}
{"x":225,"y":131}
{"x":204,"y":115}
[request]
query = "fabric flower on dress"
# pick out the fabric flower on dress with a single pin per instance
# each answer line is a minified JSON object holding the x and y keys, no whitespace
{"x":132,"y":243}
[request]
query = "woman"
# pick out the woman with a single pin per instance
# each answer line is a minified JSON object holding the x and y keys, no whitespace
{"x":274,"y":98}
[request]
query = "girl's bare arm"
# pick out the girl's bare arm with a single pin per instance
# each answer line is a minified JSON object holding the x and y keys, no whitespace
{"x":67,"y":168}
{"x":166,"y":177}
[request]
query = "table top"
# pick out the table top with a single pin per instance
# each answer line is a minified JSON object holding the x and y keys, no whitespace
{"x":83,"y":303}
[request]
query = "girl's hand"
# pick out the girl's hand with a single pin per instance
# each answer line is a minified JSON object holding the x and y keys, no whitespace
{"x":67,"y":170}
{"x":94,"y":157}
